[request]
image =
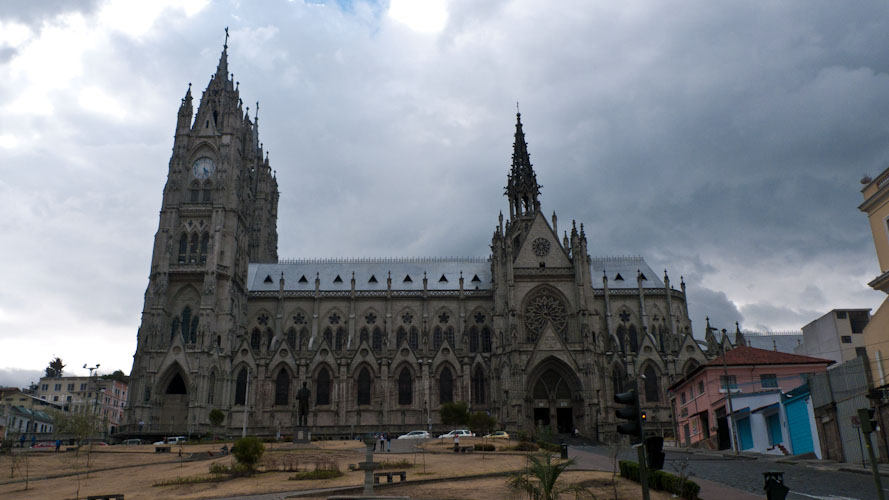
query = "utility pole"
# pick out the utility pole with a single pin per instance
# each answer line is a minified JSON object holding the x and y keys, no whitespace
{"x":868,"y":426}
{"x":246,"y":404}
{"x":728,"y":394}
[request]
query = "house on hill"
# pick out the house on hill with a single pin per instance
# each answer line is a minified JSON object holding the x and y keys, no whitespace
{"x":768,"y":402}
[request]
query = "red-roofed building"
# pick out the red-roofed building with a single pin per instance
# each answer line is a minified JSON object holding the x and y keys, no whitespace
{"x":699,"y":403}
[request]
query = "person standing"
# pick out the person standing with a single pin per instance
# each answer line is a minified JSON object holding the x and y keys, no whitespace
{"x":388,"y":442}
{"x":33,"y":440}
{"x":382,"y":442}
{"x":456,"y":443}
{"x":58,"y":444}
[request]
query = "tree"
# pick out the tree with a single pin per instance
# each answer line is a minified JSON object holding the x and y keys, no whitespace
{"x":481,"y":423}
{"x":538,"y":479}
{"x":55,"y":368}
{"x":118,"y":375}
{"x":455,"y":413}
{"x":247,"y":451}
{"x":216,"y":418}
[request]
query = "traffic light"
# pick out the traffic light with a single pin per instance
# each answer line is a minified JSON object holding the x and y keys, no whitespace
{"x":630,"y":413}
{"x":868,"y":419}
{"x":654,"y":452}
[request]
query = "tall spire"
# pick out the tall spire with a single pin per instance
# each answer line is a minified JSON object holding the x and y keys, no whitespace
{"x":522,"y":188}
{"x":222,"y":68}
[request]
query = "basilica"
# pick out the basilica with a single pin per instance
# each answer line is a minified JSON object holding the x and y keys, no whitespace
{"x":539,"y":334}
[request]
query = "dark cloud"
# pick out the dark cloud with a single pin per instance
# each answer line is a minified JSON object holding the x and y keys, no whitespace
{"x":768,"y":315}
{"x":18,"y":377}
{"x":36,"y":13}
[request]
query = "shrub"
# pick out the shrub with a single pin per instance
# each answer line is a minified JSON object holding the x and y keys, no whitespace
{"x":324,"y":469}
{"x":391,"y":464}
{"x":549,"y":446}
{"x":248,"y":451}
{"x":484,"y":447}
{"x":454,"y":413}
{"x":660,"y":480}
{"x":521,"y":436}
{"x":525,"y":446}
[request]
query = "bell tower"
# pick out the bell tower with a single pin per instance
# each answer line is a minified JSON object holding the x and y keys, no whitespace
{"x":218,"y":212}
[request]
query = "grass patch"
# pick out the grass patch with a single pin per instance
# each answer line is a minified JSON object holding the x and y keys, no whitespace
{"x":525,"y":446}
{"x":391,"y":464}
{"x":324,"y":469}
{"x":215,"y":478}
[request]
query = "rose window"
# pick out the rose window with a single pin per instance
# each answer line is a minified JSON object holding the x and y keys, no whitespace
{"x":545,"y":308}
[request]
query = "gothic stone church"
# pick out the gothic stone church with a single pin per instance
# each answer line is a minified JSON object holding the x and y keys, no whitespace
{"x":539,"y":333}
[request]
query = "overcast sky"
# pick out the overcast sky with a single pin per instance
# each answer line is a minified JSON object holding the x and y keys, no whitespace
{"x":722,"y":141}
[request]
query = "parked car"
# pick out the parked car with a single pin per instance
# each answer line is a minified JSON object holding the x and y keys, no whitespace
{"x":498,"y":435}
{"x":131,"y":442}
{"x":45,"y":444}
{"x":415,"y":435}
{"x":457,"y":432}
{"x":173,"y":440}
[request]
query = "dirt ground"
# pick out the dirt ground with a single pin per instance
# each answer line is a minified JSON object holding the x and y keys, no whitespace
{"x":133,"y":470}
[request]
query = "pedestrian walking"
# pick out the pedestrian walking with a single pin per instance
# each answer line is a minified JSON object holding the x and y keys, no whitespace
{"x":456,"y":443}
{"x":58,"y":444}
{"x":33,"y":440}
{"x":388,"y":442}
{"x":22,"y":441}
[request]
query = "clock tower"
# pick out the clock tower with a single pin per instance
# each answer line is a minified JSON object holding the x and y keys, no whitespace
{"x":219,"y":212}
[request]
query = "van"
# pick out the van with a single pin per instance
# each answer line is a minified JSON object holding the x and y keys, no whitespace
{"x":177,"y":440}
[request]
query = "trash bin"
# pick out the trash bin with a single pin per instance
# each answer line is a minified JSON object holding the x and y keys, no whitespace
{"x":564,"y":449}
{"x":774,"y":485}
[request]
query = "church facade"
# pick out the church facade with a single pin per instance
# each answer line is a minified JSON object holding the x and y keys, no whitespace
{"x":538,"y":334}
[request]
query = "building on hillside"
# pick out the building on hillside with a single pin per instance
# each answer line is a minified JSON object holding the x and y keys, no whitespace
{"x":702,"y":411}
{"x":837,"y":335}
{"x":16,"y":397}
{"x":20,"y":421}
{"x":104,"y":397}
{"x":538,"y":334}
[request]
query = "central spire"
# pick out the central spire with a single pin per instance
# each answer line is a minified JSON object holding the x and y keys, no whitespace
{"x":522,"y":188}
{"x":222,"y":68}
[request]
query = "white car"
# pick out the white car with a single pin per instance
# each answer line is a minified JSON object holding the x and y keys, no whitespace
{"x":174,"y":440}
{"x":457,"y":432}
{"x":415,"y":435}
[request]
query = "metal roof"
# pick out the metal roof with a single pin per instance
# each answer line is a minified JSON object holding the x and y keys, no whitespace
{"x":371,"y":274}
{"x":621,"y":272}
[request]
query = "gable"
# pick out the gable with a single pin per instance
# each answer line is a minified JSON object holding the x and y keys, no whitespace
{"x":541,"y":246}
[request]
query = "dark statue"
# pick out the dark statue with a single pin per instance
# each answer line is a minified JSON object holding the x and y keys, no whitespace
{"x":302,"y":411}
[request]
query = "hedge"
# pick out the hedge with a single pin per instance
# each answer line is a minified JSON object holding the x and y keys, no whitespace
{"x":549,"y":446}
{"x":484,"y":447}
{"x":660,"y":480}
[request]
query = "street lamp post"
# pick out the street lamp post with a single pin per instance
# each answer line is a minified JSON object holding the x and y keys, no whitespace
{"x":728,"y":395}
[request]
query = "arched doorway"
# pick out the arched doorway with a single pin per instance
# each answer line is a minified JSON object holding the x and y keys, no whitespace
{"x":174,"y":411}
{"x":556,"y":397}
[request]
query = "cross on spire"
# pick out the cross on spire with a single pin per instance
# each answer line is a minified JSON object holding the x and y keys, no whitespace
{"x":225,"y":45}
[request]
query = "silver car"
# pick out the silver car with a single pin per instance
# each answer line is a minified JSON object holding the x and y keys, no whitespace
{"x":415,"y":435}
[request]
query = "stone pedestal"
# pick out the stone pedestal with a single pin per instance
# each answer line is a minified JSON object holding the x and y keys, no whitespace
{"x":302,"y":435}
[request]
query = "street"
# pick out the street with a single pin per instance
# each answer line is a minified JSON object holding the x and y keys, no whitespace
{"x":745,"y":474}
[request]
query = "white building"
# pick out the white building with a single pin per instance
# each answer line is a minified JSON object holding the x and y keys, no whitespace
{"x":838,"y":335}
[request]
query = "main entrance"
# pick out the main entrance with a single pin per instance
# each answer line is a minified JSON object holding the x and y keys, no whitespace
{"x":554,"y":394}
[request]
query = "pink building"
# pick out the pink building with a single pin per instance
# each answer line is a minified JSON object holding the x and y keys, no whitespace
{"x":698,"y":400}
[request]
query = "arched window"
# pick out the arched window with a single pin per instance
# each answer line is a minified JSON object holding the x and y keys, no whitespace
{"x":291,"y":339}
{"x":211,"y":388}
{"x":303,"y":337}
{"x":207,"y":193}
{"x":377,"y":339}
{"x":269,"y":336}
{"x":478,"y":386}
{"x":193,"y":249}
{"x":405,"y":387}
{"x":473,"y":339}
{"x":194,"y":193}
{"x":364,"y":382}
{"x":340,"y":333}
{"x":282,"y":389}
{"x":189,"y":326}
{"x":328,"y":337}
{"x":652,"y":387}
{"x":414,"y":339}
{"x":449,"y":335}
{"x":183,"y":248}
{"x":634,"y":340}
{"x":174,"y":328}
{"x":486,"y":339}
{"x":446,"y":386}
{"x":322,"y":388}
{"x":255,"y":340}
{"x":436,"y":338}
{"x":205,"y":242}
{"x":241,"y":387}
{"x":400,"y":337}
{"x":363,"y":336}
{"x":622,"y":338}
{"x":617,"y":380}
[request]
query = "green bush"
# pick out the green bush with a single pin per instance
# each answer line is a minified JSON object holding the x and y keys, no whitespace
{"x":660,"y":480}
{"x":549,"y":446}
{"x":392,"y":464}
{"x":315,"y":474}
{"x":521,"y":436}
{"x":484,"y":447}
{"x":525,"y":446}
{"x":248,"y":451}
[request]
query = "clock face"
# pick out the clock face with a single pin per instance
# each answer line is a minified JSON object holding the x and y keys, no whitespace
{"x":203,"y":168}
{"x":540,"y":246}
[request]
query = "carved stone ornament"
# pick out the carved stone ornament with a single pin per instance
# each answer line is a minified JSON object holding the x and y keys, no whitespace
{"x":541,"y":247}
{"x":544,"y":308}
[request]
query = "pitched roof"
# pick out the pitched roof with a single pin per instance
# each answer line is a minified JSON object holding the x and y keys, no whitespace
{"x":744,"y":355}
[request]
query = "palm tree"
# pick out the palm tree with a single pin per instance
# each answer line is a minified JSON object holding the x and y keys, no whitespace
{"x":539,"y":478}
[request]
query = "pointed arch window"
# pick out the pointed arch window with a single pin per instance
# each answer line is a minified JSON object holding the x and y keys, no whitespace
{"x":446,"y":386}
{"x":364,"y":385}
{"x":322,"y":388}
{"x":363,"y":336}
{"x":291,"y":339}
{"x":188,"y":325}
{"x":183,"y":248}
{"x":269,"y":337}
{"x":652,"y":386}
{"x":207,"y":193}
{"x":174,"y":328}
{"x":340,"y":339}
{"x":211,"y":388}
{"x":622,"y":338}
{"x":328,"y":337}
{"x":193,"y":249}
{"x":400,"y":337}
{"x":282,"y":388}
{"x":617,"y":380}
{"x":436,"y":338}
{"x":241,"y":387}
{"x":486,"y":339}
{"x":194,"y":193}
{"x":205,"y":243}
{"x":634,"y":339}
{"x":414,"y":339}
{"x":377,"y":339}
{"x":449,"y":335}
{"x":405,"y":387}
{"x":473,"y":339}
{"x":478,"y":386}
{"x":255,"y":340}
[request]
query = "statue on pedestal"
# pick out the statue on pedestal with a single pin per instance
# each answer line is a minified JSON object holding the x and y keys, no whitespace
{"x":302,"y":409}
